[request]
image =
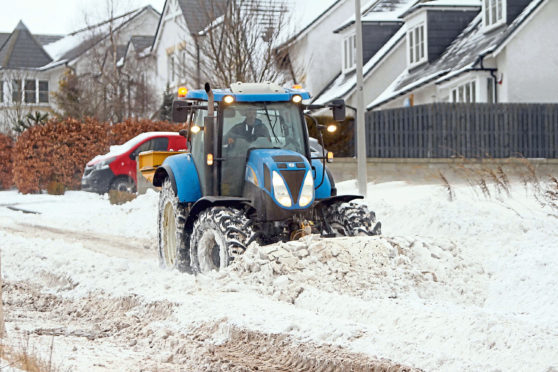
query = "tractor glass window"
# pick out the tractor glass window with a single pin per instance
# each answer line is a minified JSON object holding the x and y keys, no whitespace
{"x":197,"y":141}
{"x":261,"y":125}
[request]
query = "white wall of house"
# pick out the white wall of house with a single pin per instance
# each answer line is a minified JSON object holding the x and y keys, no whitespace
{"x":377,"y":80}
{"x":317,"y":54}
{"x":529,"y":63}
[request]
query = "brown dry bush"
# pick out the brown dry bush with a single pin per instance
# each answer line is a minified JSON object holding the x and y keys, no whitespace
{"x":6,"y":148}
{"x":57,"y":151}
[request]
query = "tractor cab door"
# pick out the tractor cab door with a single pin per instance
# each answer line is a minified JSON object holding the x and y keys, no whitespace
{"x":197,"y":147}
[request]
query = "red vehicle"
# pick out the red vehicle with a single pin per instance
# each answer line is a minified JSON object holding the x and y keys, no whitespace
{"x":117,"y":170}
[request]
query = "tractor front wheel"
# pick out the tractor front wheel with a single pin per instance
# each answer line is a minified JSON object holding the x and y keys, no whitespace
{"x":219,"y":235}
{"x":351,"y":219}
{"x":172,"y":236}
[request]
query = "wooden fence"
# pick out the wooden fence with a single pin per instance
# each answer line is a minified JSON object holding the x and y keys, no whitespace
{"x":471,"y":130}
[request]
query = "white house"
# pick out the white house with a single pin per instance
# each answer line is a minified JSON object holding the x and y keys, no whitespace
{"x":31,"y":66}
{"x":179,"y":28}
{"x":503,"y":51}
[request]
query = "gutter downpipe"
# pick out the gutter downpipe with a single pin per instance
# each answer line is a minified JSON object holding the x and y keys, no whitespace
{"x":492,"y":74}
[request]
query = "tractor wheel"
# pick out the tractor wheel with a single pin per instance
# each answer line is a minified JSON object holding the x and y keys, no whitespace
{"x":351,"y":219}
{"x":123,"y":184}
{"x":219,"y":235}
{"x":171,"y":232}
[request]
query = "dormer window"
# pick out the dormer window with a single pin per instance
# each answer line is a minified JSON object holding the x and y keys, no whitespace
{"x":494,"y":13}
{"x":416,"y":45}
{"x":349,"y":53}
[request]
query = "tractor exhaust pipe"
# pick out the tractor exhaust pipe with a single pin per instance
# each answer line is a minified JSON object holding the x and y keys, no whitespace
{"x":210,"y":145}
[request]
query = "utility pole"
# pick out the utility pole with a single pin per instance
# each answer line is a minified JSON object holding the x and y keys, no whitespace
{"x":360,"y":120}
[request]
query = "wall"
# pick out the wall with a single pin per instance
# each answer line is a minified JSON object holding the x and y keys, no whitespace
{"x":375,"y":82}
{"x":530,"y":61}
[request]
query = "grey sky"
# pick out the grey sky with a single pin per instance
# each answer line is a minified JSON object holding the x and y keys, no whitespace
{"x":62,"y":16}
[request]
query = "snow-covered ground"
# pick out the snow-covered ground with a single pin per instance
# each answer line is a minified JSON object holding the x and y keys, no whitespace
{"x":463,"y":285}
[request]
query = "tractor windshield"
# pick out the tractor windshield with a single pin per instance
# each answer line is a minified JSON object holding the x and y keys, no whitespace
{"x":262,"y":125}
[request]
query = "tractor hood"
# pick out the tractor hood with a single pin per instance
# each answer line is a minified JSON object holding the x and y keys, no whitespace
{"x":286,"y":176}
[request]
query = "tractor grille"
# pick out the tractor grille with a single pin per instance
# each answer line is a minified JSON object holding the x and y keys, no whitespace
{"x":287,"y":159}
{"x":294,"y":181}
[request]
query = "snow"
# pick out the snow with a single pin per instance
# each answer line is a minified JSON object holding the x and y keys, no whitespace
{"x":466,"y":285}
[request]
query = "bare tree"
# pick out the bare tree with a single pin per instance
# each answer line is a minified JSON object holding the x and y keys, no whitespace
{"x":239,"y":44}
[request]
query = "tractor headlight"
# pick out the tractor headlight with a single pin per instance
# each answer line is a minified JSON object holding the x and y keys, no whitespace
{"x":307,"y":193}
{"x":281,"y":191}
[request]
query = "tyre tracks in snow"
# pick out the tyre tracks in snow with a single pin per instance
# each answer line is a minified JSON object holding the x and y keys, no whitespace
{"x":110,"y":245}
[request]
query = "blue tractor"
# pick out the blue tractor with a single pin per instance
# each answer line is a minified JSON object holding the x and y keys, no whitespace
{"x":250,"y":176}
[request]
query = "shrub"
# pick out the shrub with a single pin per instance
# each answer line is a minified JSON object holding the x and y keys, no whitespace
{"x":6,"y":148}
{"x":57,"y":151}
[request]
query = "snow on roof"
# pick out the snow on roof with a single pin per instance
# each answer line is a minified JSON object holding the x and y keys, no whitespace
{"x":76,"y":43}
{"x":461,"y":56}
{"x":345,"y":84}
{"x":381,"y":11}
{"x":443,"y":4}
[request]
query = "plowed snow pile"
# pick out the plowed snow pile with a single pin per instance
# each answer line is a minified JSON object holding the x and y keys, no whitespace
{"x":467,"y":285}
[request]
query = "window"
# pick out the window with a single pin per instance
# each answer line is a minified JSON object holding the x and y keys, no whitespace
{"x":416,"y":44}
{"x":30,"y":91}
{"x":349,"y":53}
{"x":494,"y":13}
{"x":466,"y":93}
{"x":1,"y":91}
{"x":160,"y":144}
{"x":43,"y":91}
{"x":16,"y":91}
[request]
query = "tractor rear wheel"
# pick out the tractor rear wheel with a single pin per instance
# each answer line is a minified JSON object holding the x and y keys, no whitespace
{"x":172,"y":236}
{"x":352,"y":219}
{"x":219,"y":235}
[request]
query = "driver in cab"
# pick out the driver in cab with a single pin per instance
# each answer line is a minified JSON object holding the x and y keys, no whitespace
{"x":249,"y":129}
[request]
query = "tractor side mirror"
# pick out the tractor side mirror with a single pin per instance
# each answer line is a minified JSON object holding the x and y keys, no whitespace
{"x":180,"y":111}
{"x":183,"y":133}
{"x":338,"y":108}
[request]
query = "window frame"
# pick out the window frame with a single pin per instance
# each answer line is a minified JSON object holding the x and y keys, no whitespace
{"x":491,"y":9}
{"x":417,"y":47}
{"x":43,"y":92}
{"x":30,"y":93}
{"x":349,"y":53}
{"x":466,"y":92}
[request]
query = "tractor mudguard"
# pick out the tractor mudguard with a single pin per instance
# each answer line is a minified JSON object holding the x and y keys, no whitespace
{"x":183,"y":175}
{"x":326,"y":188}
{"x":214,"y":201}
{"x":324,"y":203}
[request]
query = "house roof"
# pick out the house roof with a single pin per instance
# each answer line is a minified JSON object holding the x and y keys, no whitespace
{"x":75,"y":44}
{"x":198,"y":14}
{"x":42,"y":39}
{"x":22,"y":50}
{"x":464,"y":54}
{"x":142,"y":42}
